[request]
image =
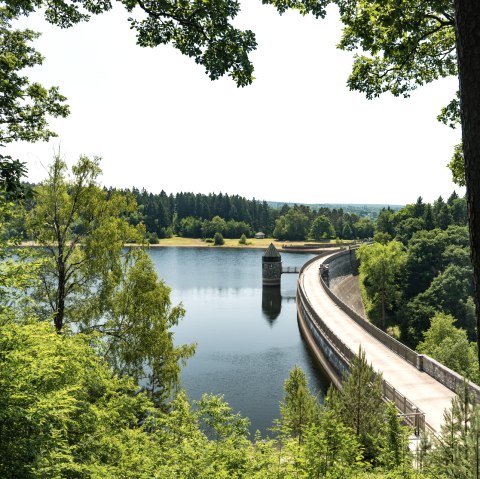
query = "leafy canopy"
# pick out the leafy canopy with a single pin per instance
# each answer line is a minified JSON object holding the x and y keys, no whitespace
{"x":82,"y":232}
{"x":201,"y":30}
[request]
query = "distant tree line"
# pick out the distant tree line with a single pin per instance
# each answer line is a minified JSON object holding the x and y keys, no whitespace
{"x":201,"y":216}
{"x":196,"y":215}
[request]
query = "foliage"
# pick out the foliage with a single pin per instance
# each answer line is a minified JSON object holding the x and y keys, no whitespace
{"x":216,"y":225}
{"x":190,"y":227}
{"x":152,"y":238}
{"x":449,"y":292}
{"x":364,"y":228}
{"x":62,"y":412}
{"x":218,"y":239}
{"x":450,"y":346}
{"x":434,"y":276}
{"x":398,"y":62}
{"x":457,"y":166}
{"x":385,"y":222}
{"x":331,"y":450}
{"x":24,"y":106}
{"x":437,"y":279}
{"x":405,"y":44}
{"x":457,"y":451}
{"x":430,"y":252}
{"x":201,"y":216}
{"x":300,"y":407}
{"x":322,"y":228}
{"x":82,"y":233}
{"x":138,"y":320}
{"x":242,"y":240}
{"x":359,"y":404}
{"x":203,"y":32}
{"x":291,"y":226}
{"x":89,"y":280}
{"x":11,"y":186}
{"x":381,"y":237}
{"x":405,"y":229}
{"x":395,"y":452}
{"x":380,"y":268}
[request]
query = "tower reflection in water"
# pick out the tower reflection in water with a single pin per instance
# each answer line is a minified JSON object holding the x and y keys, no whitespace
{"x":271,"y":302}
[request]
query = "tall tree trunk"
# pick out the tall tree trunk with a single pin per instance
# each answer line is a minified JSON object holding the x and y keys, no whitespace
{"x":467,"y":14}
{"x":60,"y":312}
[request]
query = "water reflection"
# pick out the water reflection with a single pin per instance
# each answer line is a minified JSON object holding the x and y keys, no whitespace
{"x":239,"y":352}
{"x":271,"y":302}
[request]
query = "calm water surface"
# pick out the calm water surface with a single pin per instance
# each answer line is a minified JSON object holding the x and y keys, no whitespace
{"x":247,"y":337}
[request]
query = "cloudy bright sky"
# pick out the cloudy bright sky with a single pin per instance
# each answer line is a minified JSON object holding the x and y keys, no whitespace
{"x":297,"y":134}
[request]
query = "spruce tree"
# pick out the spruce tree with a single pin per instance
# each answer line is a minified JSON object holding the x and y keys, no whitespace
{"x":359,"y":405}
{"x":300,"y":407}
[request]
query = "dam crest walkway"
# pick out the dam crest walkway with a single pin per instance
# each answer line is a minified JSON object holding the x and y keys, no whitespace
{"x":333,"y":332}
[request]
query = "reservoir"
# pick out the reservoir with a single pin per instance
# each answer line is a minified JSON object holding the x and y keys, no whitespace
{"x":247,"y":338}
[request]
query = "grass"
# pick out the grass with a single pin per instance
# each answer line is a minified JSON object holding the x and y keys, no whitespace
{"x":229,"y":243}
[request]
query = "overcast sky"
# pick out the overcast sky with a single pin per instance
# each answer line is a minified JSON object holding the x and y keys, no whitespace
{"x":297,"y":134}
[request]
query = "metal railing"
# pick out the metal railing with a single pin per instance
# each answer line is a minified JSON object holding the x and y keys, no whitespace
{"x":436,"y":370}
{"x":412,"y":414}
{"x":290,"y":269}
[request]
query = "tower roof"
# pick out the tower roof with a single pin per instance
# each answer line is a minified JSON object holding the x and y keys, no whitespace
{"x":271,"y":252}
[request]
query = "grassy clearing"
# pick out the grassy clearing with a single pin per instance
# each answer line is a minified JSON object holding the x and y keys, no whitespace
{"x":229,"y":243}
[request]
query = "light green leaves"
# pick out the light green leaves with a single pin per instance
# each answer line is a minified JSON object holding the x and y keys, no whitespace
{"x":137,"y":332}
{"x":380,"y":268}
{"x":24,"y":106}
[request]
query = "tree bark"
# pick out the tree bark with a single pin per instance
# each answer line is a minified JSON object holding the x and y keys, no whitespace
{"x":60,"y":312}
{"x":467,"y":14}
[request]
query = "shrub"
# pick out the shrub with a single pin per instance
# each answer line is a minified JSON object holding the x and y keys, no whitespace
{"x":152,"y":238}
{"x":218,"y":239}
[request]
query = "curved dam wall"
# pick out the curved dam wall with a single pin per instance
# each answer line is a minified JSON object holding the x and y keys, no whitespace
{"x":340,"y":265}
{"x":334,"y":356}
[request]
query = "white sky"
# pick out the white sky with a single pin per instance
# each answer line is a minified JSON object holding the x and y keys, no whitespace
{"x":297,"y":134}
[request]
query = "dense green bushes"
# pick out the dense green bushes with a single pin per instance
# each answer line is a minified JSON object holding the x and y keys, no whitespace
{"x":417,"y":274}
{"x":63,"y":414}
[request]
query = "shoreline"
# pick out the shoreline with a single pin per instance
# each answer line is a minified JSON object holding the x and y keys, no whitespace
{"x":297,"y":247}
{"x":252,"y":243}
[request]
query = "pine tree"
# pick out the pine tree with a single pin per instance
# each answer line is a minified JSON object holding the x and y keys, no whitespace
{"x":359,"y":405}
{"x":300,"y":407}
{"x":457,"y":451}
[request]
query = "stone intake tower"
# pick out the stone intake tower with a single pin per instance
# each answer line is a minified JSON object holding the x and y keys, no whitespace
{"x":271,"y":267}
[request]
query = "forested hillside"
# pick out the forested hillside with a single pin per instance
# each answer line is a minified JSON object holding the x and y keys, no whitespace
{"x":201,"y":216}
{"x":417,"y":281}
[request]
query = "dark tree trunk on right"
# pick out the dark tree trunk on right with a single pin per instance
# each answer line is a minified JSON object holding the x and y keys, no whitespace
{"x":467,"y":13}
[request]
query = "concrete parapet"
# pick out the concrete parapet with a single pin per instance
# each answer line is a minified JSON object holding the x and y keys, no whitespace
{"x":334,"y":356}
{"x":433,"y":368}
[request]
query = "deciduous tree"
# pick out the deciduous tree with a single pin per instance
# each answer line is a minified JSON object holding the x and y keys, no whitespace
{"x":380,"y":267}
{"x":24,"y":105}
{"x":137,"y":330}
{"x":450,"y":346}
{"x":322,"y":228}
{"x":81,"y":233}
{"x":292,"y":226}
{"x":202,"y":31}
